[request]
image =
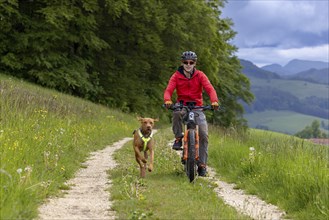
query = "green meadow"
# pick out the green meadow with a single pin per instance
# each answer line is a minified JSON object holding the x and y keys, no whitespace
{"x":45,"y":136}
{"x":297,"y":88}
{"x":281,"y":169}
{"x":282,"y":121}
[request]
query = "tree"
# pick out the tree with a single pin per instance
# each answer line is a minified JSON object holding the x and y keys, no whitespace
{"x":312,"y":131}
{"x":122,"y":53}
{"x":52,"y":43}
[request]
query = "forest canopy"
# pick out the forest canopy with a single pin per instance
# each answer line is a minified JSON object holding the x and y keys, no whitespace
{"x":122,"y":53}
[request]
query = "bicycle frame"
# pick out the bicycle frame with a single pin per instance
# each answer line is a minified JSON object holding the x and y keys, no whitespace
{"x":190,"y":155}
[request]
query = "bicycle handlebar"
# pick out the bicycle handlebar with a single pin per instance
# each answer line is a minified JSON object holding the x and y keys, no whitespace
{"x":175,"y":107}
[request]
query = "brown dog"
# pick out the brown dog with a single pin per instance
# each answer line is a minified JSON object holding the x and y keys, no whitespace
{"x":143,"y":141}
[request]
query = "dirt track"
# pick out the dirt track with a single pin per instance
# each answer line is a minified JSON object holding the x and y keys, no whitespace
{"x":88,"y":198}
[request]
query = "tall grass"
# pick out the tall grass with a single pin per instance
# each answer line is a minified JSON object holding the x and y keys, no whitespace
{"x":44,"y":137}
{"x":283,"y":170}
{"x":166,"y":193}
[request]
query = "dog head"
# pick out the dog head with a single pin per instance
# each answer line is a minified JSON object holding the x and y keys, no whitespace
{"x":147,"y":123}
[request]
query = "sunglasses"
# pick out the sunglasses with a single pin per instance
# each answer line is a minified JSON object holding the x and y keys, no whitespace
{"x":191,"y":63}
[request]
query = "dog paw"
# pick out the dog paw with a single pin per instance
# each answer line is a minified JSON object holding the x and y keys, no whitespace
{"x":144,"y":161}
{"x":150,"y":168}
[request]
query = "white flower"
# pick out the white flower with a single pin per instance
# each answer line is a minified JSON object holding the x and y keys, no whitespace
{"x":251,"y":148}
{"x":28,"y":169}
{"x":46,"y":153}
{"x":19,"y":170}
{"x":61,"y":130}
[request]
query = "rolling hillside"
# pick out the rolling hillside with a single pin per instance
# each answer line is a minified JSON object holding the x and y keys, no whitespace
{"x":283,"y":104}
{"x":295,"y":66}
{"x":313,"y":75}
{"x":46,"y":137}
{"x":282,"y":121}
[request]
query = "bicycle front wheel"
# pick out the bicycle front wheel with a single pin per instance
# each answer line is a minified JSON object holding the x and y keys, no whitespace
{"x":190,"y":163}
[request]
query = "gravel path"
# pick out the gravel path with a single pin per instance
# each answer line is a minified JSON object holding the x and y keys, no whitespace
{"x":88,"y":197}
{"x":247,"y":204}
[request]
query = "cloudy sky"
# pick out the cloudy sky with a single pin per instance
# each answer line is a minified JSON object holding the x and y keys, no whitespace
{"x":277,"y":31}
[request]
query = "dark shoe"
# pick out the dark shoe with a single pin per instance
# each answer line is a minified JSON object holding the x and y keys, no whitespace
{"x":177,"y":144}
{"x":202,"y":170}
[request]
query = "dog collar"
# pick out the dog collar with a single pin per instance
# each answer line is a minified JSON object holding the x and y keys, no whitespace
{"x":145,"y":140}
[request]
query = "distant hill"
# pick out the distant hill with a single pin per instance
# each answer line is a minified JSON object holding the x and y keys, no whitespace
{"x":313,"y":75}
{"x":276,"y":68}
{"x":295,"y":66}
{"x":251,"y":70}
{"x":305,"y":94}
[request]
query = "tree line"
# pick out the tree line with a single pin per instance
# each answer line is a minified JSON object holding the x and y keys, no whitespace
{"x":121,"y":53}
{"x":312,"y":131}
{"x":269,"y":98}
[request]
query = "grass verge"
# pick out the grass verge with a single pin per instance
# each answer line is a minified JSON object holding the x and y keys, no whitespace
{"x":44,"y":137}
{"x":281,"y":169}
{"x":166,"y":192}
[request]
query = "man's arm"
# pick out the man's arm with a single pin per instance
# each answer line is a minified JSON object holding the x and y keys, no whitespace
{"x":208,"y":87}
{"x":170,"y":88}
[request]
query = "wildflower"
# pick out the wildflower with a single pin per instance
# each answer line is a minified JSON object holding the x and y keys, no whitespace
{"x":46,"y":153}
{"x":252,"y":154}
{"x":56,"y":159}
{"x":19,"y":170}
{"x":61,"y":130}
{"x":28,"y":169}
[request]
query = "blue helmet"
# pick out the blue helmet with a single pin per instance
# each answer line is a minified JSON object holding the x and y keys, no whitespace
{"x":189,"y":55}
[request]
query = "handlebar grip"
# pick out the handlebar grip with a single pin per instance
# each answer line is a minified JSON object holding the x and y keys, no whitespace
{"x":171,"y":107}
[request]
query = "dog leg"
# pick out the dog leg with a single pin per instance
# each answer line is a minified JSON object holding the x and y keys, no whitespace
{"x":138,"y":160}
{"x":145,"y":155}
{"x":142,"y":165}
{"x":142,"y":168}
{"x":138,"y":155}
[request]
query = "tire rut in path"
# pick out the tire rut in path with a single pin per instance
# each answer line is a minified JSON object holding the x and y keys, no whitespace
{"x":87,"y":198}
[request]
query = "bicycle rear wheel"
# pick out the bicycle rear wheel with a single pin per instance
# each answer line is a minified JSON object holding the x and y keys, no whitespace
{"x":190,"y":164}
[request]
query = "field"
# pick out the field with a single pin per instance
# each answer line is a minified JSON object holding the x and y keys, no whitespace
{"x":282,"y":121}
{"x":45,"y":137}
{"x":281,"y":169}
{"x":297,"y":88}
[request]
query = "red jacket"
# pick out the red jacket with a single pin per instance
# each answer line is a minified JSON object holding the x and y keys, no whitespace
{"x":190,"y":89}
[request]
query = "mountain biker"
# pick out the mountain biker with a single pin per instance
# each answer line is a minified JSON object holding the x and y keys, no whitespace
{"x":189,"y":84}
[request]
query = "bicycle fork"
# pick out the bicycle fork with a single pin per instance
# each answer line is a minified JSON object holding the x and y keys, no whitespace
{"x":196,"y":145}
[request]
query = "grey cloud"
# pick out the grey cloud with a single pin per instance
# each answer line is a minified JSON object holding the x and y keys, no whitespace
{"x":279,"y":23}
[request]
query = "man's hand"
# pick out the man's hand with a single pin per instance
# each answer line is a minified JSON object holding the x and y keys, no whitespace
{"x":215,"y":105}
{"x":168,"y":104}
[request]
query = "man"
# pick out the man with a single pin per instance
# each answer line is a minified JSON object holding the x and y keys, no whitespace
{"x":189,"y":84}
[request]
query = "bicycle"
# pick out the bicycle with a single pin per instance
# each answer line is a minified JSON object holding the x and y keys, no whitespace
{"x":190,"y":154}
